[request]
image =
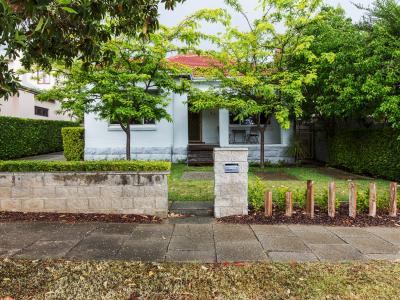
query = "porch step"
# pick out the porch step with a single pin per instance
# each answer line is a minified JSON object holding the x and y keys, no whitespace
{"x":201,"y":154}
{"x":193,"y":208}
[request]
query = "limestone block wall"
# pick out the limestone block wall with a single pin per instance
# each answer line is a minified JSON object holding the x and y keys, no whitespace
{"x":230,"y":189}
{"x":85,"y":192}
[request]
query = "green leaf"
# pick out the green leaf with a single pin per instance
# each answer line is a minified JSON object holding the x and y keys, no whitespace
{"x":69,"y":9}
{"x":39,"y":24}
{"x":64,"y":2}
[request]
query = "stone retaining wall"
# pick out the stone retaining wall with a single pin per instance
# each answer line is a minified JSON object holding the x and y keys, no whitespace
{"x":85,"y":192}
{"x":174,"y":154}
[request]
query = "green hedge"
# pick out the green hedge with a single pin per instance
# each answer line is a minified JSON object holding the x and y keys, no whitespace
{"x":373,"y":152}
{"x":86,"y":166}
{"x":26,"y":137}
{"x":74,"y":143}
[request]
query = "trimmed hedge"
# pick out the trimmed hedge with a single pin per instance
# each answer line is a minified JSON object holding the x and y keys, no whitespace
{"x":84,"y":166}
{"x":373,"y":152}
{"x":74,"y":143}
{"x":27,"y":137}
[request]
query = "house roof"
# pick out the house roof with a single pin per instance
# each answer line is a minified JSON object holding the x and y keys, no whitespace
{"x":197,"y":64}
{"x":194,"y":60}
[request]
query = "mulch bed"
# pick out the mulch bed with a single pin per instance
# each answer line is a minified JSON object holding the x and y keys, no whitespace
{"x":320,"y":218}
{"x":76,"y":218}
{"x":276,"y":176}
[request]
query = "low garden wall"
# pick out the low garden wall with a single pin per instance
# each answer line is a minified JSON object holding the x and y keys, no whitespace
{"x":119,"y":192}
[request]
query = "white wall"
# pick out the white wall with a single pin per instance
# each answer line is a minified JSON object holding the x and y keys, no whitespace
{"x":210,"y":123}
{"x":23,"y":106}
{"x":163,"y":140}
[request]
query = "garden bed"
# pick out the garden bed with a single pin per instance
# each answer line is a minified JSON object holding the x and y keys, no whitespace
{"x":76,"y":218}
{"x":320,"y":218}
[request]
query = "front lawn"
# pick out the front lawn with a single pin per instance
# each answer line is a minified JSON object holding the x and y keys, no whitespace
{"x":202,"y":190}
{"x":133,"y":280}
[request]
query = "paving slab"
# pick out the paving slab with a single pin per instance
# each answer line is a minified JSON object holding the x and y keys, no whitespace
{"x":315,"y":234}
{"x":149,"y":250}
{"x":240,"y":251}
{"x":193,"y":229}
{"x":97,"y":246}
{"x":67,"y":232}
{"x":385,"y":257}
{"x":349,"y":231}
{"x":197,"y":175}
{"x":191,"y":243}
{"x":7,"y":253}
{"x":208,"y":256}
{"x":232,"y":233}
{"x":115,"y":228}
{"x":272,"y":230}
{"x":152,"y":231}
{"x":372,"y":245}
{"x":283,"y":244}
{"x":47,"y":250}
{"x":391,"y":235}
{"x":292,"y":257}
{"x":336,"y":252}
{"x":192,"y":220}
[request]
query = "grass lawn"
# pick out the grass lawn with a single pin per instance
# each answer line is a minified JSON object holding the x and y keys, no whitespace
{"x":198,"y":190}
{"x":133,"y":280}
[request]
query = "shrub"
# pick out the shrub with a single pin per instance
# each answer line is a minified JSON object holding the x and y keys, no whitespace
{"x":84,"y":166}
{"x":362,"y":201}
{"x":256,"y":194}
{"x":73,"y":142}
{"x":280,"y":199}
{"x":373,"y":151}
{"x":26,"y":137}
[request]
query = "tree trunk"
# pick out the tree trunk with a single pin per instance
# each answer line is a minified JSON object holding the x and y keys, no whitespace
{"x":128,"y":142}
{"x":262,"y":146}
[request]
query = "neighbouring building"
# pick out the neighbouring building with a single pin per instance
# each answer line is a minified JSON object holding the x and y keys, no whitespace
{"x":190,"y":137}
{"x":25,"y":105}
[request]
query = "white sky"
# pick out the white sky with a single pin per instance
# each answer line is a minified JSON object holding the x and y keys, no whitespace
{"x":171,"y":18}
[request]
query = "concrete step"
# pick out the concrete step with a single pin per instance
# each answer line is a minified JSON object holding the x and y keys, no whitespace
{"x":192,"y":208}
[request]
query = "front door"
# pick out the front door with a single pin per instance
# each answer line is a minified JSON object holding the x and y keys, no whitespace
{"x":194,"y":127}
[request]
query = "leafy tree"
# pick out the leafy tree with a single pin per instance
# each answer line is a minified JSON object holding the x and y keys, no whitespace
{"x":252,"y":65}
{"x":41,"y":31}
{"x":362,"y":82}
{"x":134,"y":86}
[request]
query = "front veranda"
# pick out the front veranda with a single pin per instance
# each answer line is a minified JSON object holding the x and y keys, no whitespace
{"x":218,"y":128}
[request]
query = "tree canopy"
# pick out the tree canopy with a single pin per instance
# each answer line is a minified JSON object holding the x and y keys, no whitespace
{"x":134,"y":87}
{"x":363,"y":81}
{"x":252,"y":65}
{"x":43,"y":31}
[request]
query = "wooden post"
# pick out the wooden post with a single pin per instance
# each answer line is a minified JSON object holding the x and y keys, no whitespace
{"x":332,"y":199}
{"x":289,"y":204}
{"x":372,"y":199}
{"x":268,"y":203}
{"x":310,"y":199}
{"x":393,"y":199}
{"x":352,"y":199}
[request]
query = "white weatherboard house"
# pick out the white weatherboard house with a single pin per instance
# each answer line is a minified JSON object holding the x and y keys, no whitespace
{"x":190,"y":137}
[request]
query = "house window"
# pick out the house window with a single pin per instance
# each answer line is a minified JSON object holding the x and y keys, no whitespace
{"x":41,"y":111}
{"x":43,"y":77}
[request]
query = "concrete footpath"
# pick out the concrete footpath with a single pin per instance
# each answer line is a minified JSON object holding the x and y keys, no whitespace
{"x":197,"y":242}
